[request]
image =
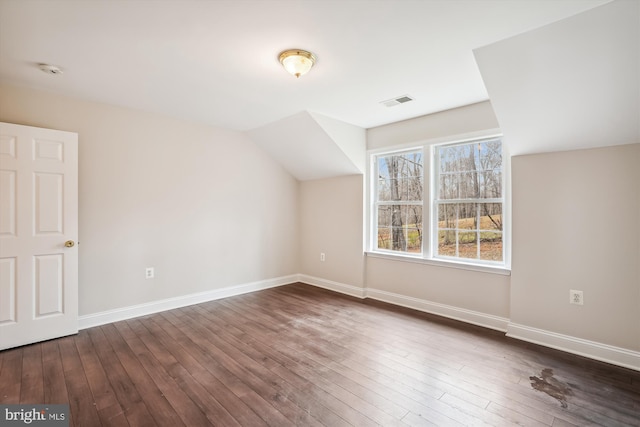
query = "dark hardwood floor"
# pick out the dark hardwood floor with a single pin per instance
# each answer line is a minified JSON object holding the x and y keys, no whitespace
{"x":301,"y":356}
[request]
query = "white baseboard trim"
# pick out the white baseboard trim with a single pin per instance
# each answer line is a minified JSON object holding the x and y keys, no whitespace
{"x":354,"y":291}
{"x":591,"y":349}
{"x":110,"y":316}
{"x":464,"y":315}
{"x":468,"y":316}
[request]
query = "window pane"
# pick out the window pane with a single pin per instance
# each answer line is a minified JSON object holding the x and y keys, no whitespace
{"x":490,"y":159}
{"x":384,"y":180}
{"x":490,"y":154}
{"x":384,"y":188}
{"x":384,"y":238}
{"x":447,"y":158}
{"x":490,"y":216}
{"x":467,"y":216}
{"x":469,"y":185}
{"x":491,"y":184}
{"x":413,"y":224}
{"x":458,"y":230}
{"x":457,"y":158}
{"x":400,"y":177}
{"x":467,"y":245}
{"x":470,"y":171}
{"x":400,"y":228}
{"x":403,"y":190}
{"x":384,"y":216}
{"x":491,"y":246}
{"x":464,"y":244}
{"x":447,"y":215}
{"x":448,"y":186}
{"x":384,"y":227}
{"x":447,"y":242}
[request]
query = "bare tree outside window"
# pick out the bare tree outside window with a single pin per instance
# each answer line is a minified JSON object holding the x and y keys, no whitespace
{"x":399,"y":202}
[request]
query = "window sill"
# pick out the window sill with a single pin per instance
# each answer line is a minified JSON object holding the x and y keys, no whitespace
{"x":503,"y":271}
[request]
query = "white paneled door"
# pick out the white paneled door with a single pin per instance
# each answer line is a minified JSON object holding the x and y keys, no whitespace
{"x":38,"y":234}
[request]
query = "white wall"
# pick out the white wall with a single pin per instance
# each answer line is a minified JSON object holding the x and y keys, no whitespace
{"x":204,"y":206}
{"x":576,"y":225}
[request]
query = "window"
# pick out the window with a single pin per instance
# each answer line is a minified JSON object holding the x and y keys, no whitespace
{"x":464,"y":211}
{"x":399,"y":201}
{"x":468,"y":201}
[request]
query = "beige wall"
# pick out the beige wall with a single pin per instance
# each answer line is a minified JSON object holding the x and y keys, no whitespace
{"x":458,"y":121}
{"x":331,"y":222}
{"x":486,"y":293}
{"x":204,"y":206}
{"x":576,"y":225}
{"x":209,"y":209}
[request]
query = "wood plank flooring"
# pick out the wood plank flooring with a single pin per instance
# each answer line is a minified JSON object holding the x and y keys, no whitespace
{"x":302,"y":356}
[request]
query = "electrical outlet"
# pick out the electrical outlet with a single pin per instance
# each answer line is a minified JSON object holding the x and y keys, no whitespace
{"x":322,"y":257}
{"x":576,"y":297}
{"x":149,"y":273}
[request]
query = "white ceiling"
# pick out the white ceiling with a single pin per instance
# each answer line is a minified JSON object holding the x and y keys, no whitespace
{"x":216,"y":61}
{"x":306,"y":147}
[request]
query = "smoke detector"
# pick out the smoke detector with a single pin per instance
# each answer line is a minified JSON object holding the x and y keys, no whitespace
{"x":396,"y":101}
{"x":50,"y":69}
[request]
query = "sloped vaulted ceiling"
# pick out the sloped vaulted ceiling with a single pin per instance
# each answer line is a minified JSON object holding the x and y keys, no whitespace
{"x":568,"y":85}
{"x":312,"y":146}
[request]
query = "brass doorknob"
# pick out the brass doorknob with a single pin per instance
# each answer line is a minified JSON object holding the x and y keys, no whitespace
{"x":69,"y":243}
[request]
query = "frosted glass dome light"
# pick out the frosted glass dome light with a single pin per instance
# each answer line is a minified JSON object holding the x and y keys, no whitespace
{"x":297,"y":61}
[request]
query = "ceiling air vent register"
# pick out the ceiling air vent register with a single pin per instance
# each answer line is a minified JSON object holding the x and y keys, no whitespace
{"x":50,"y":69}
{"x":396,"y":101}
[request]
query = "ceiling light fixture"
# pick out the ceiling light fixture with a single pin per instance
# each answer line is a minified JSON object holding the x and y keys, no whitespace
{"x":297,"y":61}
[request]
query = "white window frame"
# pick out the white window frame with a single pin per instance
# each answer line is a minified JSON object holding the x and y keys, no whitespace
{"x":429,"y":222}
{"x":436,"y":202}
